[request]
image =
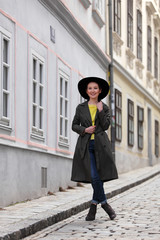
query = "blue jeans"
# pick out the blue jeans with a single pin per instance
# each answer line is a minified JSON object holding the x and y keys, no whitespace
{"x":97,"y":184}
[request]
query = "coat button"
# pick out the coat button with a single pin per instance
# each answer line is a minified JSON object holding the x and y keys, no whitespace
{"x":102,"y":134}
{"x":104,"y":145}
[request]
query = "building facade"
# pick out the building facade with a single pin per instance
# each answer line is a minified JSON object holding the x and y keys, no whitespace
{"x":46,"y":47}
{"x":136,"y":54}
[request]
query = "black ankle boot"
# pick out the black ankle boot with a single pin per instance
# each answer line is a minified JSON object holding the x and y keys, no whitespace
{"x":109,"y":210}
{"x":92,"y":213}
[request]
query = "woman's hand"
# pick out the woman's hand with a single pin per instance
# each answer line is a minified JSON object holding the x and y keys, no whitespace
{"x":90,"y":129}
{"x":100,"y":106}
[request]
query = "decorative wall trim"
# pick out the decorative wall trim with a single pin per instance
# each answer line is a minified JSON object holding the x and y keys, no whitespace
{"x":59,"y":10}
{"x":149,"y":78}
{"x":130,"y":57}
{"x":151,"y":8}
{"x":139,"y":68}
{"x":156,"y":86}
{"x":135,"y":83}
{"x":117,"y":43}
{"x":139,"y":4}
{"x":156,"y":18}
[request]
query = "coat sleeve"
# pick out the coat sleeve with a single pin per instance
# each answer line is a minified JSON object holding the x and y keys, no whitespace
{"x":104,"y":118}
{"x":76,"y":123}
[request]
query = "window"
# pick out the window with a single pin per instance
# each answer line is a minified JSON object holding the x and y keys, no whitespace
{"x":98,"y":12}
{"x":37,"y":96}
{"x":130,"y":24}
{"x":130,"y":123}
{"x":156,"y":138}
{"x":140,"y":116}
{"x":99,"y":5}
{"x":155,"y":58}
{"x":118,"y":115}
{"x":149,"y":48}
{"x":63,"y":109}
{"x":117,"y":16}
{"x":139,"y":35}
{"x":5,"y":85}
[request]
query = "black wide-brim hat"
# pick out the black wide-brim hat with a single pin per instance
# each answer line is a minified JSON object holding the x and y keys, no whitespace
{"x":103,"y":84}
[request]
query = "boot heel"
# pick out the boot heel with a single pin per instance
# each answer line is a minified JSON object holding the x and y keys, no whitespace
{"x":108,"y":209}
{"x":92,"y":213}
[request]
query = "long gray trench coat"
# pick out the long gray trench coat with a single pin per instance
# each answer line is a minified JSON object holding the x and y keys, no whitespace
{"x":81,"y":170}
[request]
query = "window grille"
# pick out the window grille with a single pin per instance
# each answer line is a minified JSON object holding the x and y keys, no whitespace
{"x":118,"y":115}
{"x":149,"y":49}
{"x":130,"y":24}
{"x":156,"y":138}
{"x":130,"y":123}
{"x":139,"y":35}
{"x":63,"y":109}
{"x":37,"y":96}
{"x":117,"y":16}
{"x":156,"y":57}
{"x":140,"y":116}
{"x":5,"y":114}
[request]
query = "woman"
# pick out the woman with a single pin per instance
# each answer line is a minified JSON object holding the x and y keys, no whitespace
{"x":92,"y":161}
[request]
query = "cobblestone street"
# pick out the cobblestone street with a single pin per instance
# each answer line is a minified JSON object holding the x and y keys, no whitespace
{"x":138,"y":217}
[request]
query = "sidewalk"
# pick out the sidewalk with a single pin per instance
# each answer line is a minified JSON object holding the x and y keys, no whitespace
{"x":24,"y":219}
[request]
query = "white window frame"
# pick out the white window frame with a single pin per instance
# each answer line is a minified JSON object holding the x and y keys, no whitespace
{"x":37,"y":131}
{"x":5,"y":121}
{"x":63,"y":111}
{"x":98,"y":12}
{"x":99,"y":6}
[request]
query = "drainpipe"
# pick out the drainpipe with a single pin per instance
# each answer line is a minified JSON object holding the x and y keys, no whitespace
{"x":112,"y":103}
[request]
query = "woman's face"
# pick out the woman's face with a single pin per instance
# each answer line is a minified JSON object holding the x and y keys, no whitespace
{"x":93,"y":91}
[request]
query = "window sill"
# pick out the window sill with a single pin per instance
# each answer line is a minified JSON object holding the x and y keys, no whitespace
{"x":98,"y":19}
{"x":140,"y":149}
{"x":4,"y":127}
{"x":85,"y":3}
{"x":37,"y":134}
{"x":5,"y":124}
{"x":63,"y":142}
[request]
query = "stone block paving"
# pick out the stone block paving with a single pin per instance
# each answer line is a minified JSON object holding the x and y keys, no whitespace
{"x":23,"y":219}
{"x":138,"y":218}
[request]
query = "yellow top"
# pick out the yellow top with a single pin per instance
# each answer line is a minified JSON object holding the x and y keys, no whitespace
{"x":93,"y":110}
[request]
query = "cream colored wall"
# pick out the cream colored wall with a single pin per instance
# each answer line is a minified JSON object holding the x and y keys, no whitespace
{"x":145,"y":92}
{"x":128,"y":158}
{"x":128,"y":58}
